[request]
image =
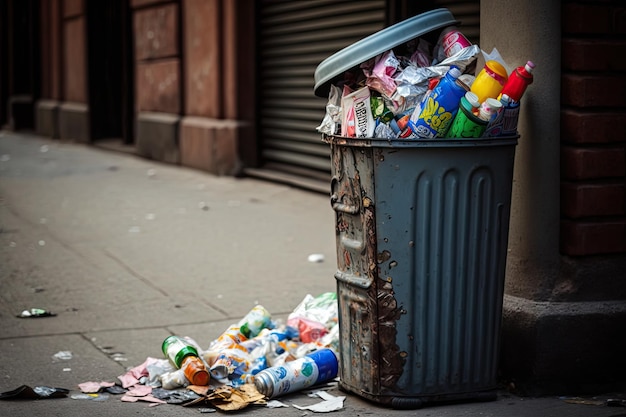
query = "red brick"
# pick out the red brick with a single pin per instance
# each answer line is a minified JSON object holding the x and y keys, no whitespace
{"x":593,"y":55}
{"x":73,"y":8}
{"x":591,"y":200}
{"x":592,"y":127}
{"x":593,"y":90}
{"x":593,"y":238}
{"x":158,"y":86}
{"x":593,"y":18}
{"x":141,"y":3}
{"x":156,"y":32}
{"x":593,"y":163}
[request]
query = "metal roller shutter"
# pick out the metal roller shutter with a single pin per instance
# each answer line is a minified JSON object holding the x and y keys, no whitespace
{"x":295,"y":36}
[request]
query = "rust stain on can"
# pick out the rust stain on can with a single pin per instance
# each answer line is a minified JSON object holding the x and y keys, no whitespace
{"x":383,"y":256}
{"x":389,"y":313}
{"x":371,"y":358}
{"x":347,"y":258}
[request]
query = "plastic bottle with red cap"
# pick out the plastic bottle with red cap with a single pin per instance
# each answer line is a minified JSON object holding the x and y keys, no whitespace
{"x":490,"y":81}
{"x":518,"y":81}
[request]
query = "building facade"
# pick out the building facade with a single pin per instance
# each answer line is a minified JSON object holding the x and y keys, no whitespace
{"x":227,"y":87}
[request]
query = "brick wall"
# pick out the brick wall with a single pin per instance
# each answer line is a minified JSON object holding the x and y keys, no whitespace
{"x":593,"y":128}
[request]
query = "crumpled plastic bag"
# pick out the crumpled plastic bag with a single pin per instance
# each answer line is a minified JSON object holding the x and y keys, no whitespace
{"x":413,"y":80}
{"x":322,"y":308}
{"x":38,"y":392}
{"x":419,"y":76}
{"x":380,"y":77}
{"x":314,"y":316}
{"x":494,"y":55}
{"x":420,"y":56}
{"x":332,"y":119}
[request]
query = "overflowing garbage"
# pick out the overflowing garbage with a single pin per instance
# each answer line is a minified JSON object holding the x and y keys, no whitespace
{"x":252,"y":361}
{"x":421,"y":90}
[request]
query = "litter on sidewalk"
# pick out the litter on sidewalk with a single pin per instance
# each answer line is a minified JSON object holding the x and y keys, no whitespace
{"x":37,"y":392}
{"x":253,"y":360}
{"x":35,"y":313}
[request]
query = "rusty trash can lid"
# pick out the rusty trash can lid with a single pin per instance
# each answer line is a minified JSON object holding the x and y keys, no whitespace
{"x":335,"y":65}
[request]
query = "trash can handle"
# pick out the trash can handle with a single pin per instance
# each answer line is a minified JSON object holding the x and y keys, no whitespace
{"x":346,"y":208}
{"x":338,"y":206}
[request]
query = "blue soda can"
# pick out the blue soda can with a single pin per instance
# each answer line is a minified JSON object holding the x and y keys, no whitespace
{"x":440,"y":107}
{"x":315,"y":368}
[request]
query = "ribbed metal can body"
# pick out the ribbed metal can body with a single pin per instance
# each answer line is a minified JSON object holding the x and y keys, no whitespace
{"x":421,"y":235}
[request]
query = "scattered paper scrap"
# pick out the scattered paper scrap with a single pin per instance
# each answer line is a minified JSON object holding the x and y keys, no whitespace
{"x":35,"y":313}
{"x":276,"y":404}
{"x":139,"y":391}
{"x":316,"y":257}
{"x":64,"y":355}
{"x":92,"y":387}
{"x":133,"y":376}
{"x":147,"y":398}
{"x":584,"y":401}
{"x":92,"y":397}
{"x":228,"y":398}
{"x":199,"y":389}
{"x":329,"y":403}
{"x":89,"y":387}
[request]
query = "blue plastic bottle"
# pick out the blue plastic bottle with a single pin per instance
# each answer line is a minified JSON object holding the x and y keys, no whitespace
{"x":440,"y":107}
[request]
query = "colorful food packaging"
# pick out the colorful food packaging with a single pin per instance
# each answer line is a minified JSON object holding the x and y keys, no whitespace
{"x":357,"y":114}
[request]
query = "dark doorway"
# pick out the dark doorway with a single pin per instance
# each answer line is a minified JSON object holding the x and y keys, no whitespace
{"x":4,"y":57}
{"x":21,"y":66}
{"x":109,"y":57}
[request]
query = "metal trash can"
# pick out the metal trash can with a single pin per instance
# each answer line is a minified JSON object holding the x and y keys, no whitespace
{"x":421,"y":239}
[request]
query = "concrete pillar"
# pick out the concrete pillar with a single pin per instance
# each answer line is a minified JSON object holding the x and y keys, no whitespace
{"x":523,"y":31}
{"x":560,"y":331}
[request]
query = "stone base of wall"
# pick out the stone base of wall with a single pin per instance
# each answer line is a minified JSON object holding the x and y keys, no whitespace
{"x":74,"y":122}
{"x":157,"y":137}
{"x":21,"y":112}
{"x":211,"y":145}
{"x":551,"y":348}
{"x":47,"y":118}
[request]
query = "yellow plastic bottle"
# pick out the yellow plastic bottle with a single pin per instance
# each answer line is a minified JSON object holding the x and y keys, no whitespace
{"x":489,"y":81}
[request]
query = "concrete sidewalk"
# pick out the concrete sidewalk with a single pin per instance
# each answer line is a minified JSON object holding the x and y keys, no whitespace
{"x":127,"y":251}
